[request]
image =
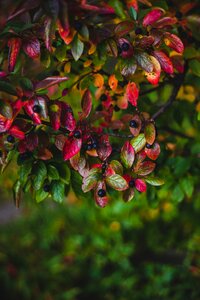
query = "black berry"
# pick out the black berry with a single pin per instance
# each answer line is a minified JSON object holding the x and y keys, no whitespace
{"x":10,"y":139}
{"x":89,"y":147}
{"x":103,"y":168}
{"x":138,"y":31}
{"x":133,"y":124}
{"x":37,"y":108}
{"x":178,"y":15}
{"x":77,"y":134}
{"x":131,"y":183}
{"x":125,"y":46}
{"x":119,"y":50}
{"x":103,"y":97}
{"x":116,"y":108}
{"x":99,"y":107}
{"x":94,"y":145}
{"x":77,"y":25}
{"x":101,"y":193}
{"x":148,"y":146}
{"x":1,"y":153}
{"x":46,"y":188}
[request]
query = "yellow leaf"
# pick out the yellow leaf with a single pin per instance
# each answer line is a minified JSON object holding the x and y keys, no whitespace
{"x":98,"y":80}
{"x":67,"y":67}
{"x":92,"y":49}
{"x":87,"y":63}
{"x":113,"y":82}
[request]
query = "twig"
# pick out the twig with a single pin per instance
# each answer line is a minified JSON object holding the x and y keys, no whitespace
{"x":175,"y":132}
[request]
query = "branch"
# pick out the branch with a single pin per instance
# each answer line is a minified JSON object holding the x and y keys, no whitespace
{"x":175,"y":132}
{"x":178,"y":80}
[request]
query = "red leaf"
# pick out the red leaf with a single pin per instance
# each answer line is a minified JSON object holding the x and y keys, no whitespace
{"x":123,"y":28}
{"x":32,"y":47}
{"x":150,"y":133}
{"x":140,"y":185}
{"x":104,"y":149}
{"x":16,"y":132}
{"x":153,"y":152}
{"x":71,"y":147}
{"x":153,"y":77}
{"x":165,"y":61}
{"x":48,"y":33}
{"x":49,"y":81}
{"x":127,"y":154}
{"x":166,"y":21}
{"x":174,"y":42}
{"x":60,"y":141}
{"x":135,"y":130}
{"x":32,"y":141}
{"x":14,"y":45}
{"x":67,"y":117}
{"x":132,"y":93}
{"x":44,"y":154}
{"x":152,"y":17}
{"x":146,"y":168}
{"x":86,"y":103}
{"x":4,"y":124}
{"x":55,"y":114}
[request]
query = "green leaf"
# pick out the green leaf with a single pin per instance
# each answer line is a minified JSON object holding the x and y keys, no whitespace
{"x":144,"y":61}
{"x":24,"y":171}
{"x":133,"y":13}
{"x":118,"y":7}
{"x":7,"y":87}
{"x":6,"y":109}
{"x":58,"y":190}
{"x":90,"y":181}
{"x":39,"y":175}
{"x":195,"y":67}
{"x":84,"y":32}
{"x":138,"y":142}
{"x":17,"y":188}
{"x":127,"y":155}
{"x":61,"y":53}
{"x":26,"y":84}
{"x":76,"y":182}
{"x":77,"y":48}
{"x":117,"y":182}
{"x":117,"y":166}
{"x":40,"y":195}
{"x":187,"y":185}
{"x":155,"y":181}
{"x":177,"y":194}
{"x":52,"y":172}
{"x":64,"y":172}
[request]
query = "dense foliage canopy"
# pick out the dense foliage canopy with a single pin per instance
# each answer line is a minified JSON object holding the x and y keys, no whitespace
{"x":82,"y":83}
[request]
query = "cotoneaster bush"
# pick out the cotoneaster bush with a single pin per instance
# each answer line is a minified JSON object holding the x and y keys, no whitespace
{"x":71,"y":79}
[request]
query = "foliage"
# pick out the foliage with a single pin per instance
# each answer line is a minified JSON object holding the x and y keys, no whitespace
{"x":77,"y":107}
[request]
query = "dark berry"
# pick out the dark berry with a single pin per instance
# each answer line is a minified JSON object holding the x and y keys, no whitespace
{"x":116,"y":108}
{"x":99,"y":107}
{"x":1,"y":153}
{"x":37,"y":108}
{"x":46,"y":188}
{"x":103,"y":97}
{"x":77,"y":134}
{"x":122,"y":83}
{"x":89,"y":147}
{"x":125,"y":46}
{"x":101,"y":193}
{"x":138,"y":31}
{"x":24,"y":98}
{"x":119,"y":50}
{"x":10,"y":139}
{"x":103,"y":168}
{"x":148,"y":146}
{"x":131,"y":183}
{"x":94,"y":145}
{"x":56,"y":73}
{"x":77,"y":25}
{"x":178,"y":15}
{"x":133,"y":124}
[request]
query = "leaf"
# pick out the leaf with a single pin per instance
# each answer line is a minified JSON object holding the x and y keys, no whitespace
{"x":7,"y":87}
{"x":6,"y":109}
{"x":58,"y":190}
{"x":49,"y":81}
{"x":174,"y":42}
{"x":76,"y":183}
{"x":112,"y":82}
{"x":154,"y":76}
{"x":40,"y":195}
{"x":153,"y":152}
{"x":123,"y":28}
{"x":86,"y":103}
{"x":177,"y":194}
{"x":118,"y":7}
{"x":112,"y":47}
{"x":51,"y":8}
{"x":104,"y":149}
{"x":77,"y":48}
{"x":100,"y":201}
{"x":17,"y":190}
{"x":164,"y":61}
{"x":155,"y":181}
{"x":117,"y":182}
{"x":67,"y":117}
{"x":71,"y":147}
{"x":90,"y":181}
{"x":60,"y":141}
{"x":133,"y":13}
{"x":32,"y":47}
{"x":136,"y":129}
{"x":132,"y":93}
{"x":24,"y":171}
{"x":128,"y":195}
{"x":64,"y":173}
{"x":127,"y":155}
{"x":194,"y":65}
{"x":39,"y":175}
{"x":52,"y":172}
{"x":14,"y":45}
{"x":144,"y":61}
{"x":138,"y":142}
{"x":116,"y":166}
{"x":150,"y":133}
{"x":152,"y":16}
{"x":140,"y":185}
{"x":146,"y":168}
{"x":187,"y":185}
